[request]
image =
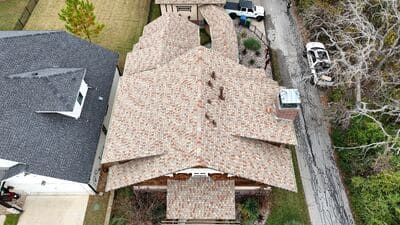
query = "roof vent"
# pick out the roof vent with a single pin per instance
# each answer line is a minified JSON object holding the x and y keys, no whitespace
{"x":221,"y":93}
{"x":210,"y":84}
{"x":207,"y":116}
{"x":35,"y":74}
{"x":213,"y":76}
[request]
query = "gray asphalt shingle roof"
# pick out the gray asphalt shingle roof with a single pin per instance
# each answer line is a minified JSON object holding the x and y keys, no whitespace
{"x":52,"y":89}
{"x":52,"y":144}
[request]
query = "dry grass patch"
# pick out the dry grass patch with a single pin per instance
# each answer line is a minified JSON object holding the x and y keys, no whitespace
{"x":10,"y":11}
{"x":124,"y":21}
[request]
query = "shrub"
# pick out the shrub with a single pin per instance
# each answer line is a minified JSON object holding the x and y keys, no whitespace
{"x":336,"y":94}
{"x":158,"y":214}
{"x":258,"y":53}
{"x":243,"y":34}
{"x":361,"y":131}
{"x":252,"y":44}
{"x":244,"y":51}
{"x":249,"y":211}
{"x":252,"y":61}
{"x":118,"y":221}
{"x":376,"y":199}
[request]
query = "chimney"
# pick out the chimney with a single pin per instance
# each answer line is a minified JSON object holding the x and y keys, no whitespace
{"x":287,"y":104}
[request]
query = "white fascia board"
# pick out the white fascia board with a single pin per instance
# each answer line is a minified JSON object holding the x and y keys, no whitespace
{"x":7,"y":163}
{"x":33,"y":184}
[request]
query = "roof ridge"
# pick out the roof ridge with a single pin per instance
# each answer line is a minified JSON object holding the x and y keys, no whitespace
{"x":30,"y":33}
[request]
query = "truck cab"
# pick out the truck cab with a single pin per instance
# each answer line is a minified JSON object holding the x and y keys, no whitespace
{"x":245,"y":8}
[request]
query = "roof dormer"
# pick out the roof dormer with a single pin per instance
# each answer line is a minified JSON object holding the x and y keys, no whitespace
{"x":55,"y":90}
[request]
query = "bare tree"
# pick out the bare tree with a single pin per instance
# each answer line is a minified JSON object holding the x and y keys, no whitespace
{"x":363,"y":38}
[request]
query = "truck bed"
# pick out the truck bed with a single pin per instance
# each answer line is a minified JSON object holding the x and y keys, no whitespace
{"x":231,"y":6}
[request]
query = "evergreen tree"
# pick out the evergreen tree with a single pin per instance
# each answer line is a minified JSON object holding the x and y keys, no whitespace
{"x":80,"y":20}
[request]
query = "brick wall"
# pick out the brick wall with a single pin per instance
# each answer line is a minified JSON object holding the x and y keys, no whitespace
{"x":289,"y":114}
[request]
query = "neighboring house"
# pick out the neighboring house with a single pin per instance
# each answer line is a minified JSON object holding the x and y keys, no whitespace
{"x":195,"y":123}
{"x":187,"y":8}
{"x":55,"y":90}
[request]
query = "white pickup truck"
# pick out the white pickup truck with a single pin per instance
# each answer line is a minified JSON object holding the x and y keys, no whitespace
{"x":244,"y":8}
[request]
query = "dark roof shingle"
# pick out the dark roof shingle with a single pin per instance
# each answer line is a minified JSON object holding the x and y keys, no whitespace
{"x":52,"y":145}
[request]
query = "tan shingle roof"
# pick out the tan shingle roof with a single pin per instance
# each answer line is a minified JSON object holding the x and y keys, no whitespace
{"x":163,"y":40}
{"x":163,"y":112}
{"x":190,"y":1}
{"x":223,"y":34}
{"x":201,"y":198}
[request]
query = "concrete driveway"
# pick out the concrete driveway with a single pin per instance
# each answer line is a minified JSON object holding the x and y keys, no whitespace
{"x":54,"y":210}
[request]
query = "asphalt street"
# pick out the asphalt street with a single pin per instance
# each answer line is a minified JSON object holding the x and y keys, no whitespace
{"x":325,"y":194}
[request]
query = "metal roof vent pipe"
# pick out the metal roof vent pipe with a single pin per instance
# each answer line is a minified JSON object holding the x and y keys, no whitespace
{"x":287,"y":104}
{"x":221,"y":93}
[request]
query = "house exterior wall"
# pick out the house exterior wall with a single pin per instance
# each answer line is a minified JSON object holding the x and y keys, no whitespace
{"x":111,"y":98}
{"x":193,"y":14}
{"x":96,"y":170}
{"x":32,"y":184}
{"x":289,"y":114}
{"x":76,"y":113}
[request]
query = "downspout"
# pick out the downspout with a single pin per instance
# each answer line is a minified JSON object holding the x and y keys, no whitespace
{"x":93,"y":189}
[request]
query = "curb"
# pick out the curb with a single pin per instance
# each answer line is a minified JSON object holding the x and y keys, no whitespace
{"x":109,"y":208}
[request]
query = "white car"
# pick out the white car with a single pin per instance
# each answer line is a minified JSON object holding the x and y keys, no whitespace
{"x":319,"y":63}
{"x":245,"y":8}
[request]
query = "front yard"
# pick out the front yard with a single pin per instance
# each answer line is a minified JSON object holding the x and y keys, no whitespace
{"x":97,"y":209}
{"x":10,"y":11}
{"x":124,"y":21}
{"x":287,"y":206}
{"x":276,"y":207}
{"x":11,"y":219}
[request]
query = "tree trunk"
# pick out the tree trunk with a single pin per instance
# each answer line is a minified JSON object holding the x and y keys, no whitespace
{"x":358,"y":92}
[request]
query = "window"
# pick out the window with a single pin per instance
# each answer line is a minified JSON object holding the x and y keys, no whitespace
{"x":243,"y":9}
{"x":181,"y":8}
{"x":80,"y":98}
{"x":251,"y":10}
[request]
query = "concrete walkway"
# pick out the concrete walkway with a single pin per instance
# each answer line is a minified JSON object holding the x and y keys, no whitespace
{"x":326,"y":199}
{"x":54,"y":210}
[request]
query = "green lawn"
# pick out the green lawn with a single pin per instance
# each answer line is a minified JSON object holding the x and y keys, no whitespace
{"x":124,"y":21}
{"x":11,"y":219}
{"x":10,"y":11}
{"x":289,"y":206}
{"x":155,"y":11}
{"x":96,"y":209}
